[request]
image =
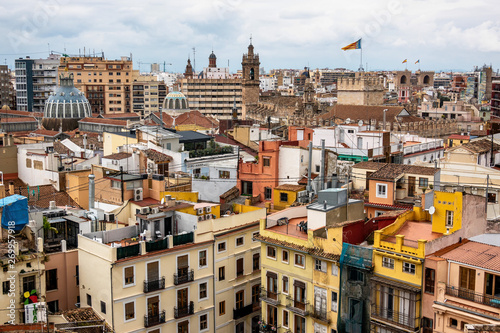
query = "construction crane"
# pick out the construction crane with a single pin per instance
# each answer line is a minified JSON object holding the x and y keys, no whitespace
{"x":151,"y":63}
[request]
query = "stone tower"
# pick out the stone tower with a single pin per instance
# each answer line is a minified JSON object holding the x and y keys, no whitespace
{"x":250,"y":79}
{"x":360,"y":90}
{"x":188,"y":74}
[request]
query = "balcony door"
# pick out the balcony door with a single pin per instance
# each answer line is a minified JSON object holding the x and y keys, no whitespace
{"x":319,"y":300}
{"x":153,"y":273}
{"x":183,"y":327}
{"x":154,"y":306}
{"x":182,"y":298}
{"x":411,"y":186}
{"x":182,"y":265}
{"x":406,"y":308}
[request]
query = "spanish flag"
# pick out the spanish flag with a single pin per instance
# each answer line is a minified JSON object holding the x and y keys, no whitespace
{"x":417,"y":62}
{"x":353,"y":46}
{"x":405,"y":61}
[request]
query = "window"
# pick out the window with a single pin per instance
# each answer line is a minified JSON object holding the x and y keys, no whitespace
{"x":317,"y":168}
{"x":266,"y":161}
{"x":255,"y":234}
{"x":299,"y":260}
{"x":5,"y":287}
{"x":268,"y":193}
{"x":320,"y":265}
{"x":356,"y":275}
{"x":240,"y":299}
{"x":77,"y":276}
{"x":221,"y":247}
{"x":256,"y":261}
{"x":28,"y":163}
{"x":223,"y":174}
{"x":284,"y":256}
{"x":335,"y":270}
{"x":203,"y":290}
{"x":129,"y":311}
{"x":240,"y":241}
{"x":453,"y":323}
{"x":492,"y":197}
{"x":222,"y":273}
{"x":285,"y":284}
{"x":89,"y":300}
{"x":128,"y":274}
{"x":388,"y":262}
{"x":203,"y":322}
{"x":427,"y":325}
{"x":283,"y":197}
{"x":53,"y":306}
{"x":103,"y":307}
{"x":116,"y":184}
{"x":240,"y":327}
{"x":222,"y":308}
{"x":271,"y":252}
{"x":51,"y":279}
{"x":423,"y":182}
{"x":29,"y":283}
{"x":334,"y":301}
{"x":408,"y":268}
{"x":286,"y":318}
{"x":467,"y":278}
{"x":449,"y":218}
{"x":492,"y":283}
{"x":430,"y":279}
{"x":202,"y":258}
{"x":255,"y":294}
{"x":239,"y":267}
{"x":381,"y":190}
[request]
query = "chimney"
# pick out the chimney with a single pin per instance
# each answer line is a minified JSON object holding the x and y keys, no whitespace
{"x":91,"y":191}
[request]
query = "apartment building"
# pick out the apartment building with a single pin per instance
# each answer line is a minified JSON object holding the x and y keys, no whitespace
{"x":173,"y":271}
{"x":7,"y":91}
{"x":107,"y":84}
{"x":148,"y":94}
{"x":36,"y":79}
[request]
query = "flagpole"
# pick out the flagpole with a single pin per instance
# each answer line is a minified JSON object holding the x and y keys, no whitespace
{"x":361,"y":60}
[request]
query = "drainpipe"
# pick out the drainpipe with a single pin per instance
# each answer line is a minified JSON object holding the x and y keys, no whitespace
{"x":322,"y":177}
{"x":215,"y":275}
{"x":112,"y":300}
{"x":91,"y":191}
{"x":309,"y":168}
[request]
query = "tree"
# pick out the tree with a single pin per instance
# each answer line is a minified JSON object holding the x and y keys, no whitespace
{"x":47,"y":227}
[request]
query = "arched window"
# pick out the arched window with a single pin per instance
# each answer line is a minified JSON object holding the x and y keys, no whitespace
{"x":252,"y":74}
{"x":403,"y":79}
{"x":427,"y":79}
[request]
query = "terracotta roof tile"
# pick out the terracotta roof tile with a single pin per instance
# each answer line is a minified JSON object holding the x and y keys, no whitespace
{"x":115,"y":122}
{"x":290,"y":187}
{"x":369,"y":165}
{"x":156,"y":156}
{"x":188,"y":118}
{"x":22,"y":113}
{"x":391,"y":171}
{"x":45,"y":132}
{"x":118,"y":156}
{"x":367,"y":113}
{"x":476,"y":254}
{"x":479,"y":146}
{"x":18,"y":120}
{"x":310,"y":250}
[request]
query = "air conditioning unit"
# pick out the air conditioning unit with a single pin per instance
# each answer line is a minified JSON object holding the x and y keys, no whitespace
{"x":138,"y":194}
{"x":199,"y":211}
{"x":208,"y":209}
{"x":144,"y":210}
{"x":155,"y":210}
{"x":208,"y":216}
{"x":201,"y":218}
{"x":109,"y":217}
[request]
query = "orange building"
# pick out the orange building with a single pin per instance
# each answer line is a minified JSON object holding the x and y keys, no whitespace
{"x":303,"y":135}
{"x":258,"y":179}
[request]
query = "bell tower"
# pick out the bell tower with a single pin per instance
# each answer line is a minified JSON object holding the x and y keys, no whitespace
{"x":250,"y":79}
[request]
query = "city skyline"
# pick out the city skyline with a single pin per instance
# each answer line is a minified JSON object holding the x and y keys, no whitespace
{"x":449,"y":35}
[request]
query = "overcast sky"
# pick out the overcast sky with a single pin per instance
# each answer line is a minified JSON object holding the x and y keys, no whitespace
{"x":443,"y":34}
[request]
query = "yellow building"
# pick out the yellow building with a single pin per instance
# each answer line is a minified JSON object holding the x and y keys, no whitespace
{"x":285,"y":195}
{"x":300,"y":250}
{"x":159,"y":275}
{"x":112,"y":141}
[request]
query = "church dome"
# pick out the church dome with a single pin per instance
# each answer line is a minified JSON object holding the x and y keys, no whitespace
{"x":212,"y":56}
{"x":175,"y":102}
{"x":5,"y":107}
{"x":65,"y":106}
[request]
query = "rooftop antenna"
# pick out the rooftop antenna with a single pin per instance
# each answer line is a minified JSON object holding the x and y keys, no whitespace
{"x":250,"y":39}
{"x":194,"y":60}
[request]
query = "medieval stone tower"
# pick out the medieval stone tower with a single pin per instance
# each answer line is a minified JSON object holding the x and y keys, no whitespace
{"x":250,"y":80}
{"x":360,"y":90}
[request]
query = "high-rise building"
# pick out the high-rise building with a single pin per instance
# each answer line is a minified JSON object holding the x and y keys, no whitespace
{"x":35,"y":80}
{"x":7,"y":92}
{"x":495,"y":98}
{"x":147,"y":94}
{"x":107,"y":84}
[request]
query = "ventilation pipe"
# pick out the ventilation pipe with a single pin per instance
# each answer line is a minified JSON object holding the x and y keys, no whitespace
{"x":322,"y":177}
{"x":309,"y":166}
{"x":91,"y":191}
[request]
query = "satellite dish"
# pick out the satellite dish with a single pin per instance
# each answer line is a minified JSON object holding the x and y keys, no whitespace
{"x":348,"y":121}
{"x":432,"y":210}
{"x":360,"y":123}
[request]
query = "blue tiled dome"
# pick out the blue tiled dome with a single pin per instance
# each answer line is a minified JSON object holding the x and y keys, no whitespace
{"x":67,"y":102}
{"x":176,"y":101}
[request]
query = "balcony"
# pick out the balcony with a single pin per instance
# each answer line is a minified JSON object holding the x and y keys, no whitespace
{"x":152,"y":320}
{"x":180,"y":278}
{"x":296,"y":306}
{"x":184,"y":311}
{"x":405,"y":320}
{"x":270,"y":297}
{"x":242,"y":312}
{"x":153,"y":285}
{"x":320,"y":315}
{"x":471,"y":295}
{"x":267,"y":327}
